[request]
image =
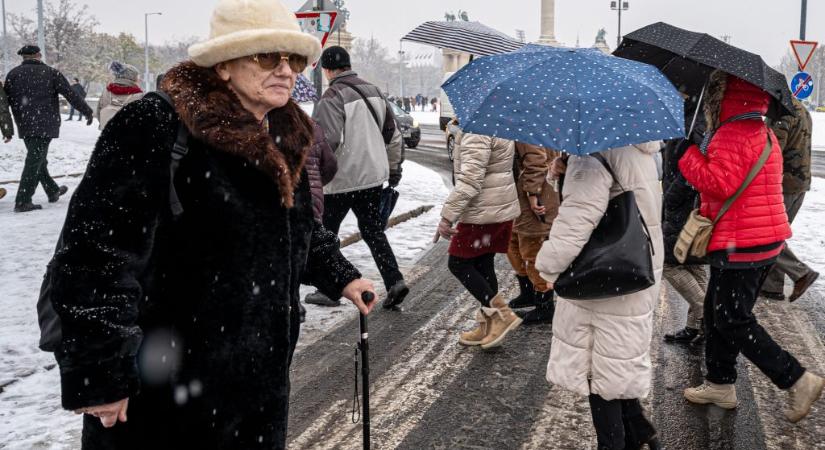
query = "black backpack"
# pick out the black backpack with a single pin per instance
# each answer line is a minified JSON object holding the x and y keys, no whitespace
{"x":51,"y":332}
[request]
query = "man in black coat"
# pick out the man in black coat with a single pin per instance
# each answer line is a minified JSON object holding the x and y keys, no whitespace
{"x":78,"y":88}
{"x":6,"y":124}
{"x":32,"y":89}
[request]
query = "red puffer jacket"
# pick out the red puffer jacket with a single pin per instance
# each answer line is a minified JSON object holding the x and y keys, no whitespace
{"x":757,"y":218}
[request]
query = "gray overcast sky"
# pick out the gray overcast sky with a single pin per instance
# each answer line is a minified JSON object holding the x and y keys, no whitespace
{"x":761,"y":26}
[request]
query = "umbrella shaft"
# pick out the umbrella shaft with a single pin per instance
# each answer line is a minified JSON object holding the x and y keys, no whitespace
{"x":696,"y":113}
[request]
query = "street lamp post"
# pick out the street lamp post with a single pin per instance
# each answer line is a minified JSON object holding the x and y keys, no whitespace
{"x":5,"y":43}
{"x":401,"y":67}
{"x":146,"y":49}
{"x":41,"y":34}
{"x":619,"y":6}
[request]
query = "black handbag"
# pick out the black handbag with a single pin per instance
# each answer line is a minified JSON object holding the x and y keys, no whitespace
{"x":618,"y":258}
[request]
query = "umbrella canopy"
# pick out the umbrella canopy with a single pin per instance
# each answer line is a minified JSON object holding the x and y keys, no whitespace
{"x":687,"y":58}
{"x":304,"y":91}
{"x":471,"y":37}
{"x":577,"y":100}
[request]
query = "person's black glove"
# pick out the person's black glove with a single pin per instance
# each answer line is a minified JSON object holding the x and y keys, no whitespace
{"x":89,"y":120}
{"x":395,"y":178}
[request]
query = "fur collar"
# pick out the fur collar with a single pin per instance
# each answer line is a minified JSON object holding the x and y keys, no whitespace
{"x":714,"y":94}
{"x":214,"y":115}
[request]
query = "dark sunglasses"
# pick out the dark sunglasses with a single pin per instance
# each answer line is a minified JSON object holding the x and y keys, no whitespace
{"x":271,"y":61}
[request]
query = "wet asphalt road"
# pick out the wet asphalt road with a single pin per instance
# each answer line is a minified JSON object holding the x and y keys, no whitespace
{"x":429,"y":392}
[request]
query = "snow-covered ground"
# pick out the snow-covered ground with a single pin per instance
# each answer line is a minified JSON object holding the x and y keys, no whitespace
{"x":818,"y":138}
{"x":30,"y":412}
{"x":426,"y":118}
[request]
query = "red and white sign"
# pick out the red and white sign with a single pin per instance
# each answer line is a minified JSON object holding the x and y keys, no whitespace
{"x":317,"y":23}
{"x":803,"y":50}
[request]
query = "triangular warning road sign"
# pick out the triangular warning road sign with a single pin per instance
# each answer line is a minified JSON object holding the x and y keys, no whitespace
{"x":803,"y":50}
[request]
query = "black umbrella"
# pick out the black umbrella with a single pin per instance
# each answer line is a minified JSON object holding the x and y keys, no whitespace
{"x":687,"y":58}
{"x":389,"y":197}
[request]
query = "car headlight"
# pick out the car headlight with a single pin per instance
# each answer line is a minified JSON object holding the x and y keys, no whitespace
{"x":415,"y":124}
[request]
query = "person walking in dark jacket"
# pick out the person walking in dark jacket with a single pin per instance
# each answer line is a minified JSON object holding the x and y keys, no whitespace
{"x":360,"y":128}
{"x":32,"y":89}
{"x":690,"y":280}
{"x":794,"y":135}
{"x":6,"y":124}
{"x":187,"y":325}
{"x":78,"y":88}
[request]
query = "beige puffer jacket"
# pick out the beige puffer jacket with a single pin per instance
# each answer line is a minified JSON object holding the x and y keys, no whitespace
{"x":485,"y":189}
{"x":607,"y":341}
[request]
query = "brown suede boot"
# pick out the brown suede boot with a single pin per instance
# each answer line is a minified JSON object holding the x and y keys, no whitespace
{"x":502,"y":321}
{"x":803,"y":394}
{"x":475,"y":336}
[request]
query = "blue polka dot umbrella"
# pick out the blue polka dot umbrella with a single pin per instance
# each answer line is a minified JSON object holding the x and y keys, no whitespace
{"x":304,"y":91}
{"x":580,"y":101}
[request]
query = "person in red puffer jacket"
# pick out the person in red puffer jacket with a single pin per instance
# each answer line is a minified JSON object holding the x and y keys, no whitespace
{"x":743,"y":247}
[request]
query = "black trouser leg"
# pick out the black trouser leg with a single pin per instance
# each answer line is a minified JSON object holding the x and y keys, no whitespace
{"x":71,"y":112}
{"x":46,"y":180}
{"x":366,"y":205}
{"x":37,"y":150}
{"x":607,"y":420}
{"x":637,"y":429}
{"x":336,"y":208}
{"x":476,"y":282}
{"x":732,"y":328}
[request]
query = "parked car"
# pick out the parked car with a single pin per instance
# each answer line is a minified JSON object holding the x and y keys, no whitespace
{"x":820,"y":109}
{"x":410,"y":128}
{"x":447,"y":113}
{"x":454,"y":134}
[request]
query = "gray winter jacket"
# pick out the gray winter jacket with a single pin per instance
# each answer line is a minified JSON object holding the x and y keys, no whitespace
{"x":366,"y":153}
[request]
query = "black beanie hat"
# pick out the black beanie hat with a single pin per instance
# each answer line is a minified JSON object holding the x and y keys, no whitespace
{"x":335,"y":58}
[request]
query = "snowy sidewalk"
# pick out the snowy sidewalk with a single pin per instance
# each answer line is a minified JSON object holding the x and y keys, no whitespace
{"x":30,"y":412}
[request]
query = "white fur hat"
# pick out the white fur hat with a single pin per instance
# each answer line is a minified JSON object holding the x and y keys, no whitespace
{"x":247,"y":27}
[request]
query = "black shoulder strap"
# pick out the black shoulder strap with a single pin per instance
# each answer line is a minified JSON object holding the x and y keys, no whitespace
{"x":606,"y":165}
{"x":367,"y":101}
{"x":179,"y":151}
{"x":753,"y":115}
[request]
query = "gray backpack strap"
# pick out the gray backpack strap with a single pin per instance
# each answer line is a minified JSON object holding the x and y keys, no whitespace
{"x":179,"y":151}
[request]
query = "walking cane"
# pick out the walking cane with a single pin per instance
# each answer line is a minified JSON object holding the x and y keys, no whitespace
{"x":364,"y":345}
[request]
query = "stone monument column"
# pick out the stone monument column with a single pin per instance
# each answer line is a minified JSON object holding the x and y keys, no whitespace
{"x":548,"y":23}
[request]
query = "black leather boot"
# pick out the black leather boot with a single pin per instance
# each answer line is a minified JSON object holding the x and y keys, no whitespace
{"x":527,"y":297}
{"x":543,"y":312}
{"x":685,"y":335}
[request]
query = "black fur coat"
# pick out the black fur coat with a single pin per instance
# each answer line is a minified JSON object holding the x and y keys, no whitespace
{"x":193,"y":318}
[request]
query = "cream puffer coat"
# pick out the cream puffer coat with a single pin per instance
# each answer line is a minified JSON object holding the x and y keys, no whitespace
{"x":485,"y":189}
{"x":605,"y":341}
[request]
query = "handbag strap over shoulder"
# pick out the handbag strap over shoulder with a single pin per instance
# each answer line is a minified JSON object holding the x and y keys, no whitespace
{"x":366,"y":101}
{"x":609,"y":169}
{"x":763,"y":158}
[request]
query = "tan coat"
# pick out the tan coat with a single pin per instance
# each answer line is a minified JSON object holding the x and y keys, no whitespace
{"x":485,"y":189}
{"x":110,"y":104}
{"x":533,"y":163}
{"x":602,"y":346}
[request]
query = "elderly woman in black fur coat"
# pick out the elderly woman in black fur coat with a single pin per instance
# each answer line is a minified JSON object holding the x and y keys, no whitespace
{"x":178,"y":331}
